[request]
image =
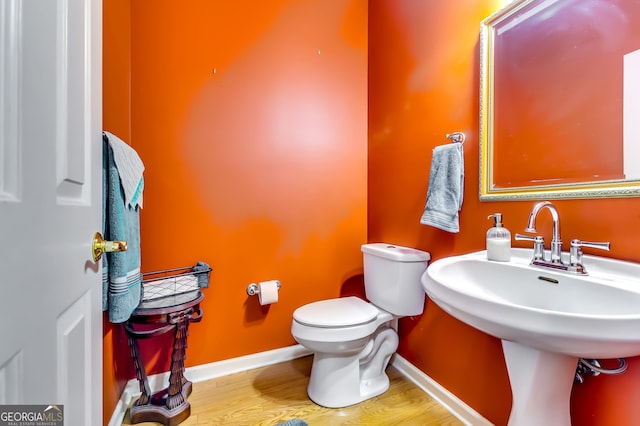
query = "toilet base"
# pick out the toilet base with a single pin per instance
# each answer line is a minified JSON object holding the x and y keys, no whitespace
{"x":341,"y":386}
{"x":374,"y":386}
{"x":340,"y":380}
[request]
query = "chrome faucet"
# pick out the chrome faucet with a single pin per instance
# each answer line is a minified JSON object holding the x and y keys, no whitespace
{"x":575,"y":255}
{"x":556,"y":240}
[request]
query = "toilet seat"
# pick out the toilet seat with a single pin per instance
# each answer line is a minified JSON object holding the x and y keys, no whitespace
{"x":344,"y":319}
{"x":335,"y":313}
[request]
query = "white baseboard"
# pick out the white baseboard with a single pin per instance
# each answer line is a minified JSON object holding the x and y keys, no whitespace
{"x":455,"y":405}
{"x":216,"y":369}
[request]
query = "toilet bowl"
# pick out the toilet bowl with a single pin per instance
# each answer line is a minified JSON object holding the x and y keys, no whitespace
{"x":353,"y":340}
{"x":346,"y":370}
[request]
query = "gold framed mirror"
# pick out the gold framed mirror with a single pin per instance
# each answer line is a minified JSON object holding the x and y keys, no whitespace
{"x":560,"y":100}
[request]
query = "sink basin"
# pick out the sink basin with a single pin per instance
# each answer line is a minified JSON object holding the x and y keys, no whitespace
{"x":546,"y":319}
{"x":594,"y":316}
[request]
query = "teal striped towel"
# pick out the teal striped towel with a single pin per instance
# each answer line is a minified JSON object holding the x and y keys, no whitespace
{"x":121,"y":278}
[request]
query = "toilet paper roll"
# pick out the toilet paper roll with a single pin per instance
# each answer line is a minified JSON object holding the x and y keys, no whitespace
{"x":268,"y":293}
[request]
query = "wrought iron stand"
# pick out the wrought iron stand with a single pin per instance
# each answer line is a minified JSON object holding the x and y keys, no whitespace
{"x":153,"y":318}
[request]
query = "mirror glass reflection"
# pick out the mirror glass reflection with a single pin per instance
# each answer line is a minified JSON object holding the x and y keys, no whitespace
{"x":560,"y":88}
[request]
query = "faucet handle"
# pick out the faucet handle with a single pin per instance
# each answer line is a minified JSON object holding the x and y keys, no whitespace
{"x":575,"y":253}
{"x":592,"y":244}
{"x":538,"y":244}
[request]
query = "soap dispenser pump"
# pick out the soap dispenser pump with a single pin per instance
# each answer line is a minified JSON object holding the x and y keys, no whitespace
{"x":498,"y":240}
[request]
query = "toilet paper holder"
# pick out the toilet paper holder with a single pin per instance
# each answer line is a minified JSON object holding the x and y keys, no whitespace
{"x":254,"y":289}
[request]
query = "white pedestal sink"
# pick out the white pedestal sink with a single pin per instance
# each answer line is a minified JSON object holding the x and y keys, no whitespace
{"x":545,"y":318}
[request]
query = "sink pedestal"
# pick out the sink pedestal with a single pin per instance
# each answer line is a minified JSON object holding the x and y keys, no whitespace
{"x":540,"y":385}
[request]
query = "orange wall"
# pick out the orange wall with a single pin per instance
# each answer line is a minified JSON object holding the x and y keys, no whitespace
{"x":423,"y":83}
{"x":116,"y":81}
{"x":260,"y":170}
{"x":251,"y":118}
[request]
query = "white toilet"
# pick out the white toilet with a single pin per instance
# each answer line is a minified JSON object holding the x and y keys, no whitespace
{"x":352,"y":340}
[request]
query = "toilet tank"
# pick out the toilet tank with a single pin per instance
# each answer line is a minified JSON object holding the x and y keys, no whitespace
{"x":392,"y":277}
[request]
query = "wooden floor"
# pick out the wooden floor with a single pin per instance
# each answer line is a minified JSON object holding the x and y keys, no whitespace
{"x":269,"y":395}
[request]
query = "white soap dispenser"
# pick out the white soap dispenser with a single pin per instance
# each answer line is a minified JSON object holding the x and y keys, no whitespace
{"x":498,"y":240}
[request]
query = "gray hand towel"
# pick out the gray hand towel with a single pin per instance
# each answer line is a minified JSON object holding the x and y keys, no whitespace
{"x":446,"y":188}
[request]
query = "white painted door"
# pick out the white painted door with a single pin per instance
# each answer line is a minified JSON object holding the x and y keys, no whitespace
{"x":50,"y":205}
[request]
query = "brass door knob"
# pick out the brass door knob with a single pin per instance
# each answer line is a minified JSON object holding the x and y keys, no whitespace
{"x":99,"y":246}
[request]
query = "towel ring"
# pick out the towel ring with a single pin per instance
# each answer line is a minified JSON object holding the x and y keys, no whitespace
{"x":456,"y":137}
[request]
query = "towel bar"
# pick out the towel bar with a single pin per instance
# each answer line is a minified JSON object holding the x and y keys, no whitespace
{"x":456,"y":137}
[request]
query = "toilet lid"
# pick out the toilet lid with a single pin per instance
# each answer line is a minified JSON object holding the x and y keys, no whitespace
{"x":340,"y":312}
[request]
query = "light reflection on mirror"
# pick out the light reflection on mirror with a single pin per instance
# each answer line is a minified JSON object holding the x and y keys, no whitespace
{"x":558,"y":78}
